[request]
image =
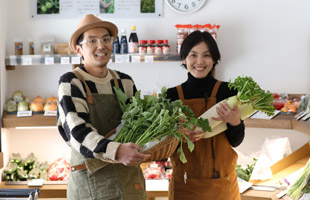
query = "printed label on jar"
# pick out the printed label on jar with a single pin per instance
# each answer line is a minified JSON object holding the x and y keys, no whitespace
{"x":158,"y":50}
{"x":143,"y":50}
{"x":133,"y":47}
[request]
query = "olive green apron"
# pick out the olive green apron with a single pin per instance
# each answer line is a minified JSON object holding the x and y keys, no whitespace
{"x":209,"y":173}
{"x":103,"y":180}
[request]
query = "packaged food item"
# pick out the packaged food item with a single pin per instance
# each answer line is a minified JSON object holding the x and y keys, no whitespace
{"x":116,"y":46}
{"x":166,"y":47}
{"x":150,"y":46}
{"x":124,"y":44}
{"x":143,"y":47}
{"x":133,"y":46}
{"x":18,"y":46}
{"x":47,"y":46}
{"x":158,"y":47}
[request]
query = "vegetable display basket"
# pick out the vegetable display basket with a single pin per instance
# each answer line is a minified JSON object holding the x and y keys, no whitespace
{"x":163,"y":149}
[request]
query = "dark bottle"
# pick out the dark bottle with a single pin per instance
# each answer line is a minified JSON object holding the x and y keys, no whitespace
{"x":116,"y":47}
{"x":133,"y":41}
{"x":124,"y":44}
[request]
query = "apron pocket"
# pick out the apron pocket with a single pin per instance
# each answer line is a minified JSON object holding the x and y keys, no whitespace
{"x":202,"y":189}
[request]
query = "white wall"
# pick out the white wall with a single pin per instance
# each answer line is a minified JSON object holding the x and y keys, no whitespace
{"x":268,"y":40}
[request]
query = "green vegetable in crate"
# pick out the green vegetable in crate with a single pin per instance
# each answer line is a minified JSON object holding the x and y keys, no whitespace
{"x":34,"y":173}
{"x":246,"y":173}
{"x":21,"y":175}
{"x":150,"y":119}
{"x":16,"y":158}
{"x":11,"y":168}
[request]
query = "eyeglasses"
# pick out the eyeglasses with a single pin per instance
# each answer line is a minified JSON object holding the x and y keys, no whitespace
{"x":93,"y":42}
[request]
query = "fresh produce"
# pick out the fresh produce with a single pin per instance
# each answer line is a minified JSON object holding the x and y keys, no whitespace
{"x":21,"y":170}
{"x":250,"y":97}
{"x":59,"y":170}
{"x":301,"y":185}
{"x":36,"y":106}
{"x":150,"y":119}
{"x":17,"y":96}
{"x":22,"y":106}
{"x":245,"y":173}
{"x":10,"y":106}
{"x":50,"y":106}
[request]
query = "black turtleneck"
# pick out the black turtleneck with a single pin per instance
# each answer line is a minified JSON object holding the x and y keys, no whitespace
{"x":201,"y":88}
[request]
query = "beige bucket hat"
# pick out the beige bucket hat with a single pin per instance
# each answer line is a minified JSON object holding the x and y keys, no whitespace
{"x":89,"y":22}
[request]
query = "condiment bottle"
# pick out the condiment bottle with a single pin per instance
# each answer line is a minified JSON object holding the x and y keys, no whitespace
{"x":133,"y":46}
{"x":116,"y":46}
{"x":124,"y":44}
{"x":31,"y":47}
{"x":166,"y":47}
{"x":158,"y":47}
{"x":143,"y":47}
{"x":150,"y":47}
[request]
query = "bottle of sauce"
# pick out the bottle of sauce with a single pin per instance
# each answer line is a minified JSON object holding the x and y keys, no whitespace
{"x":150,"y":46}
{"x":158,"y":47}
{"x":116,"y":46}
{"x":143,"y":47}
{"x":166,"y":47}
{"x":133,"y":46}
{"x":124,"y":44}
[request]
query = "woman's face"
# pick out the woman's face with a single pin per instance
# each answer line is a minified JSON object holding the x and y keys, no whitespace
{"x":199,"y":61}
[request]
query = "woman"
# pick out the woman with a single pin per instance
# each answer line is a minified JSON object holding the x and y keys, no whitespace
{"x":210,"y":169}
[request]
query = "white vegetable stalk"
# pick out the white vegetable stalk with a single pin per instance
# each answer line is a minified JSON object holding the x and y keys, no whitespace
{"x":219,"y":126}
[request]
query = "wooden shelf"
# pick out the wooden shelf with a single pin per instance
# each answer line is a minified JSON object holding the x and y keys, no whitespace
{"x":12,"y":121}
{"x":282,"y":121}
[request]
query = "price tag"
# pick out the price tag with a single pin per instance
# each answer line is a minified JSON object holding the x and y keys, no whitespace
{"x":50,"y":113}
{"x":49,"y":60}
{"x":27,"y":61}
{"x":135,"y":59}
{"x":75,"y":60}
{"x":122,"y":58}
{"x":36,"y":182}
{"x":27,"y":113}
{"x":64,"y":60}
{"x":149,"y":59}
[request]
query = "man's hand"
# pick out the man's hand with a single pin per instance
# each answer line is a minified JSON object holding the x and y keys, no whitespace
{"x":226,"y":114}
{"x":128,"y":154}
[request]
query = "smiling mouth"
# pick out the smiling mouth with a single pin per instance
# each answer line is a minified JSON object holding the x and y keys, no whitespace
{"x":101,"y":54}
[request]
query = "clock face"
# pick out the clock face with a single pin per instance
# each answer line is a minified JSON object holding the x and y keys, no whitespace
{"x":185,"y":6}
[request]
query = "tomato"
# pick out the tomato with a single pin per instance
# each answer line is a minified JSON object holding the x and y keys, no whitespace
{"x":48,"y":5}
{"x":43,"y":9}
{"x":276,"y":95}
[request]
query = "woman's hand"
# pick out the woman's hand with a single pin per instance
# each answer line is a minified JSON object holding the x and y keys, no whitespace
{"x":193,"y":136}
{"x":226,"y":114}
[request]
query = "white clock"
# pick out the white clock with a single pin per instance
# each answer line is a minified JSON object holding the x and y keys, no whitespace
{"x":185,"y":6}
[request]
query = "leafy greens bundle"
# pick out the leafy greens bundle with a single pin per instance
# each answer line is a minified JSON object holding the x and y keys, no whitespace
{"x":152,"y":118}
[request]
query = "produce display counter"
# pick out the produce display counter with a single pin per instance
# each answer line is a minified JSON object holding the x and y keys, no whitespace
{"x":12,"y":121}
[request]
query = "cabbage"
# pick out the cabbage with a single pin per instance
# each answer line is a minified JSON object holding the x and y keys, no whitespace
{"x":10,"y":106}
{"x":22,"y":106}
{"x":17,"y":96}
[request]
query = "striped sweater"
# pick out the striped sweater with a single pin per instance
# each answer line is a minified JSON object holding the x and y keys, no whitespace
{"x":72,"y":114}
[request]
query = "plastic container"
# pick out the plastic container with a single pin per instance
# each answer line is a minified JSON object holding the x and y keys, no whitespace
{"x":133,"y":45}
{"x":123,"y":43}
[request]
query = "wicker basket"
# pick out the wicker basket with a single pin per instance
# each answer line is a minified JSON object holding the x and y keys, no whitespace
{"x":163,"y":149}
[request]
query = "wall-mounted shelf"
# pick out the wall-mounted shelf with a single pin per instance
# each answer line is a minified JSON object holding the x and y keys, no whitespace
{"x":73,"y":59}
{"x":281,"y":121}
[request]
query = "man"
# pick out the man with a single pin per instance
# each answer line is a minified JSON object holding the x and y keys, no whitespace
{"x":89,"y":112}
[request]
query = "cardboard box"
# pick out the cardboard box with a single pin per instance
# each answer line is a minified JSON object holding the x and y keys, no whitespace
{"x":280,"y":169}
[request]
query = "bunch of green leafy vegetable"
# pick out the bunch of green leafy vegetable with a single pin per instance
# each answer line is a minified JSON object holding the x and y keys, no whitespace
{"x":301,"y":185}
{"x":250,"y":92}
{"x":245,"y":173}
{"x":152,"y":118}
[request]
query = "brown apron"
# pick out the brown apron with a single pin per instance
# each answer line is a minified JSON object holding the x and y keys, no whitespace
{"x":102,"y":180}
{"x":209,"y":173}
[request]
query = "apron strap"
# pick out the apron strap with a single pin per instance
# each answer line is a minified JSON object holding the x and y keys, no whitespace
{"x":213,"y":93}
{"x":114,"y":78}
{"x":180,"y":92}
{"x":89,"y":95}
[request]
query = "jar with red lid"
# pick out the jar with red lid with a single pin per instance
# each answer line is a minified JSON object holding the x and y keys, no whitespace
{"x":143,"y":47}
{"x":158,"y":47}
{"x":150,"y":46}
{"x":166,"y":47}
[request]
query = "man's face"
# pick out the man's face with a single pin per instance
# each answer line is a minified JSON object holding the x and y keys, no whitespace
{"x":95,"y":55}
